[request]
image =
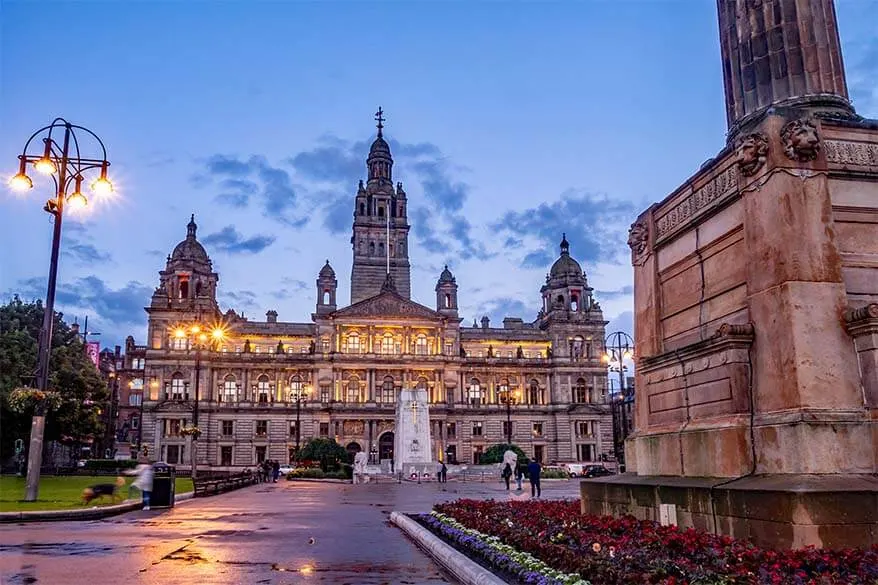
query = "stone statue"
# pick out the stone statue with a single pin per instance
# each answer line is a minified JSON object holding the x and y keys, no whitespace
{"x":361,"y":459}
{"x":800,"y":140}
{"x":638,"y":238}
{"x":510,"y":457}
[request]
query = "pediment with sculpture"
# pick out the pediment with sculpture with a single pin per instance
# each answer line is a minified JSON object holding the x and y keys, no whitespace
{"x":388,"y":304}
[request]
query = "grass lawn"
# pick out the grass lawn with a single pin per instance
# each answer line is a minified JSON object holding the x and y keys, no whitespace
{"x":64,"y":492}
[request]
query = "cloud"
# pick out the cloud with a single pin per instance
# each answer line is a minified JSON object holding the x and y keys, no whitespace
{"x":293,"y":286}
{"x":85,"y":253}
{"x":242,"y":181}
{"x":337,"y":162}
{"x":609,"y":295}
{"x":242,"y":299}
{"x":229,"y":240}
{"x":595,"y":226}
{"x":499,"y":308}
{"x":123,"y":306}
{"x":622,"y":322}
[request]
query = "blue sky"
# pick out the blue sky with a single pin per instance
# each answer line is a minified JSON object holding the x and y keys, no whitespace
{"x":510,"y":123}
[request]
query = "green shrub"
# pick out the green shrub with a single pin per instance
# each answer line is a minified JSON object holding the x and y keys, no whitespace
{"x":326,"y":451}
{"x":109,"y":464}
{"x":554,"y":474}
{"x":494,"y":454}
{"x":306,"y":472}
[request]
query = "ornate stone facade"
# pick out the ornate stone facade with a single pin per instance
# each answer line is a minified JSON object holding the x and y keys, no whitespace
{"x":351,"y":363}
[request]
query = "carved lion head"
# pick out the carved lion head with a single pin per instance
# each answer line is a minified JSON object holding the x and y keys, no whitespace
{"x":800,"y":139}
{"x":638,"y":236}
{"x":752,"y":152}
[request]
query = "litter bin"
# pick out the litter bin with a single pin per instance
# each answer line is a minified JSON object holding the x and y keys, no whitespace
{"x":162,"y":486}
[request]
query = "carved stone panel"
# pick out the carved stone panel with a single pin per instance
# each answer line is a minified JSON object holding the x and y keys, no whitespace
{"x":354,"y":427}
{"x":864,"y":154}
{"x":723,"y":186}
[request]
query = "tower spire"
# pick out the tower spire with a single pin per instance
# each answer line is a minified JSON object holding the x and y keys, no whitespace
{"x":191,"y":227}
{"x":379,"y":117}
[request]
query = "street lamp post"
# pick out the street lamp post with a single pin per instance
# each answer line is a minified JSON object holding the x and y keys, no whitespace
{"x":619,"y":347}
{"x":198,"y":339}
{"x":510,"y":398}
{"x":66,"y":165}
{"x":299,"y":395}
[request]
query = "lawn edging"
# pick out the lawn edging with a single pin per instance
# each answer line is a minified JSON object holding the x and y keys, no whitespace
{"x":95,"y":513}
{"x":464,"y":570}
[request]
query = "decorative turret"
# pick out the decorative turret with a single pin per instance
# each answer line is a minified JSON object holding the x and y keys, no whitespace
{"x":566,"y":290}
{"x":446,"y":293}
{"x":326,"y":288}
{"x":380,"y":162}
{"x":188,"y":275}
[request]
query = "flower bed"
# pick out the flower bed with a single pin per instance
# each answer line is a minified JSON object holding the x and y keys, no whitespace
{"x":608,"y":550}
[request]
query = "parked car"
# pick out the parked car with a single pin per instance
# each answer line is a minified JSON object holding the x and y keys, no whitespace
{"x":596,"y":471}
{"x":286,"y":468}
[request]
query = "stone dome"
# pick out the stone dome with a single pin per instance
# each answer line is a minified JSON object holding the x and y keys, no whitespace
{"x":446,"y":276}
{"x":190,"y":248}
{"x":327,"y":271}
{"x":565,"y":265}
{"x":379,"y":147}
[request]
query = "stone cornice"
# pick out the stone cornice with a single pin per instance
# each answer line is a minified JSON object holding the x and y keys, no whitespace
{"x":728,"y":336}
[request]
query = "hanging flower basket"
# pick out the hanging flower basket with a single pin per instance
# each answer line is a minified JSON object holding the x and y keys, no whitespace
{"x":193,"y":432}
{"x":23,"y":400}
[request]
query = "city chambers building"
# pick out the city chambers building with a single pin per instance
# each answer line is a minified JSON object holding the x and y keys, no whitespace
{"x":256,"y":389}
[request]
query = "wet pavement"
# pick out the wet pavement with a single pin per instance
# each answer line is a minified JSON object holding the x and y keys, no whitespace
{"x":283,"y":533}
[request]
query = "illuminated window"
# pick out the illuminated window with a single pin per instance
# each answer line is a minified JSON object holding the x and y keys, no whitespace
{"x":261,"y":428}
{"x":421,"y":344}
{"x":179,"y":387}
{"x":229,"y":390}
{"x":475,"y":393}
{"x":387,"y":344}
{"x":353,"y":343}
{"x":353,"y":394}
{"x":388,"y":395}
{"x":263,"y":389}
{"x":297,"y":388}
{"x":534,"y":394}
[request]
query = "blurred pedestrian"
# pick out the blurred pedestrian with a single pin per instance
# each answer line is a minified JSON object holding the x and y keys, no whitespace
{"x":507,"y":475}
{"x":143,"y":482}
{"x":533,"y":472}
{"x":519,"y":474}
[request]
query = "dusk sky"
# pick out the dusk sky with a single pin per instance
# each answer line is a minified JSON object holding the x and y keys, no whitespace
{"x":510,"y":123}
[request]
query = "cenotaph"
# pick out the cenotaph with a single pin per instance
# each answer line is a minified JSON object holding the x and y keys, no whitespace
{"x":412,"y":448}
{"x":756,"y":306}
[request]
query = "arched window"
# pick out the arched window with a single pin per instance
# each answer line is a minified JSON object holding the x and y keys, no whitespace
{"x":230,"y":389}
{"x":381,"y":248}
{"x":475,"y":393}
{"x":560,"y":300}
{"x":353,"y":394}
{"x":447,"y":301}
{"x":362,"y":209}
{"x":380,"y":211}
{"x":198,"y":289}
{"x":503,"y":391}
{"x":580,"y":393}
{"x":179,"y":387}
{"x":387,"y":344}
{"x":353,"y":345}
{"x":184,"y":288}
{"x":574,"y":303}
{"x":421,"y":344}
{"x":326,"y":297}
{"x":297,"y":388}
{"x":371,"y":248}
{"x":388,"y":394}
{"x":534,"y":395}
{"x":263,"y":389}
{"x":577,"y":347}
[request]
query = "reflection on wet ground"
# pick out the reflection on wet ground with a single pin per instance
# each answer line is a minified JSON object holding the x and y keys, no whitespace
{"x":284,"y":533}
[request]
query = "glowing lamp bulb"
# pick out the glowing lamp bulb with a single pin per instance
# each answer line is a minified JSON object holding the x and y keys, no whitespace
{"x":628,"y":355}
{"x":218,"y":334}
{"x":21,"y":182}
{"x":195,"y":329}
{"x":202,"y":338}
{"x":179,"y":334}
{"x":77,"y":201}
{"x":102,"y":186}
{"x":45,"y":166}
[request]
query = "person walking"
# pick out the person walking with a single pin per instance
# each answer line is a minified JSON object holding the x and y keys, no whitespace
{"x":443,"y":473}
{"x":519,"y":475}
{"x":143,"y":482}
{"x":533,"y":472}
{"x":275,"y":469}
{"x":507,"y":475}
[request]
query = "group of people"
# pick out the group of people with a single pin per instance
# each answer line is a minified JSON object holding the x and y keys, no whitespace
{"x":268,"y":471}
{"x":532,"y":470}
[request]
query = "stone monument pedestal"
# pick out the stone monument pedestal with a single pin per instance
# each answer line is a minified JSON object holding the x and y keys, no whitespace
{"x":412,"y":449}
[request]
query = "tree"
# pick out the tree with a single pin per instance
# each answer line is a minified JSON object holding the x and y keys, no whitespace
{"x":494,"y":454}
{"x":325,"y":450}
{"x":72,"y":375}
